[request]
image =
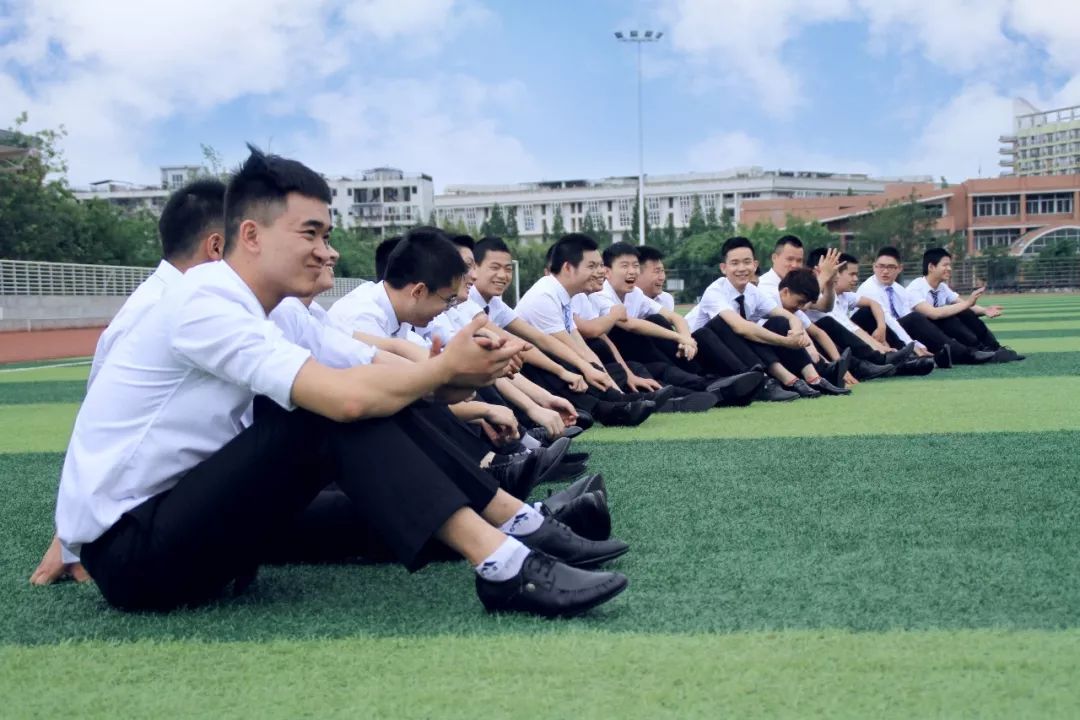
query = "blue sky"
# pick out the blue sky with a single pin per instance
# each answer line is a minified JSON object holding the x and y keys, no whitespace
{"x":472,"y":91}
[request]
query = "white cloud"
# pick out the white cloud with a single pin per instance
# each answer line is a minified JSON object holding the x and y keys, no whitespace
{"x":726,"y":150}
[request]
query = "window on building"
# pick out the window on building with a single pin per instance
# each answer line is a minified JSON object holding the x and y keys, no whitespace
{"x":528,"y":218}
{"x":652,"y":207}
{"x":391,"y":194}
{"x":995,"y":237}
{"x":414,"y":189}
{"x":626,"y":212}
{"x":360,"y":194}
{"x":1049,"y":203}
{"x":406,"y":195}
{"x":376,"y":195}
{"x":333,"y":192}
{"x":997,"y":205}
{"x":594,"y":209}
{"x":1052,"y":238}
{"x":177,"y":179}
{"x":472,"y":218}
{"x":934,"y":210}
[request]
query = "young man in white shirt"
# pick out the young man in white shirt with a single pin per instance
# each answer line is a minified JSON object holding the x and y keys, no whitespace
{"x":910,"y":318}
{"x":965,"y":327}
{"x":652,"y":276}
{"x":191,"y":229}
{"x":659,"y":338}
{"x":167,"y":499}
{"x":730,"y":309}
{"x":575,"y":259}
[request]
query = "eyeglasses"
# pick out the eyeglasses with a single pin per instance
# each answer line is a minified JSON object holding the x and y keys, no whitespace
{"x":883,"y":266}
{"x":451,"y":302}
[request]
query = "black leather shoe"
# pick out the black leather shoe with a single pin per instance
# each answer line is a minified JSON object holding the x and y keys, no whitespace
{"x":661,"y":396}
{"x":1006,"y":354}
{"x":943,"y":358}
{"x":575,"y":457}
{"x":584,"y":421}
{"x":519,"y":477}
{"x":692,"y":403}
{"x":863,"y":370}
{"x":549,"y":588}
{"x":629,"y":414}
{"x":916,"y":366}
{"x":895,"y":357}
{"x":560,"y":542}
{"x":772,"y":391}
{"x":587,"y":515}
{"x":835,"y":371}
{"x":825,"y":387}
{"x":978,"y":357}
{"x":540,"y":434}
{"x":738,"y":389}
{"x":557,"y":500}
{"x":803,"y":389}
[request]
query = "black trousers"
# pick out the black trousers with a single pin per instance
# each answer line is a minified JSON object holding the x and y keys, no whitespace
{"x":719,"y":345}
{"x":864,"y":318}
{"x":923,"y":329}
{"x":847,"y":340}
{"x":966,"y":327}
{"x":183,"y":546}
{"x":660,"y":357}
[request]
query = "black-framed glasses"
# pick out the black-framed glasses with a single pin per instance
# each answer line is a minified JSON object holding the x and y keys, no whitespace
{"x":452,"y":301}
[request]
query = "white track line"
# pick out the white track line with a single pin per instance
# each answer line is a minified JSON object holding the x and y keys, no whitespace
{"x":45,"y":367}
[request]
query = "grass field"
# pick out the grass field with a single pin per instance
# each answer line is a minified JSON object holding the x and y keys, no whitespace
{"x":910,"y":551}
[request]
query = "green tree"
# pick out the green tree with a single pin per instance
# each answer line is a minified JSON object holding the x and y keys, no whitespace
{"x":697,"y":223}
{"x":431,"y":220}
{"x":812,"y":233}
{"x":635,"y":225}
{"x":545,"y":236}
{"x":558,"y":226}
{"x":512,"y":231}
{"x":357,"y":248}
{"x":670,"y":236}
{"x":711,"y":221}
{"x":496,"y":223}
{"x":905,"y":224}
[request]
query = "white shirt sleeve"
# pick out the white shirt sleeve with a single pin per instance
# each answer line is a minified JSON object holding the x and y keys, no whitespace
{"x":217,"y":335}
{"x":357,"y":316}
{"x":667,"y":300}
{"x":545,"y":313}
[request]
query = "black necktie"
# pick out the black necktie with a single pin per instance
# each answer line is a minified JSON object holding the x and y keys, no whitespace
{"x":933,"y":294}
{"x":742,"y":305}
{"x":487,"y":309}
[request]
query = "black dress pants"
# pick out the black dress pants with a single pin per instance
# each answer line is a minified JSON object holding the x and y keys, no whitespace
{"x":847,"y":340}
{"x":183,"y":546}
{"x":660,"y":357}
{"x":864,"y":318}
{"x":966,"y":327}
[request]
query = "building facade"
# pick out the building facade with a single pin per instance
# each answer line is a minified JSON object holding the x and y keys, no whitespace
{"x":381,"y":199}
{"x":610,"y":202}
{"x":1042,"y":142}
{"x":1024,"y":214}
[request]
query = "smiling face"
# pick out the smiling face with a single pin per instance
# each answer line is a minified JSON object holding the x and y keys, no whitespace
{"x":652,"y":277}
{"x":425,"y":304}
{"x":494,"y":274}
{"x":942,"y":272}
{"x":739,"y":266}
{"x":287,"y":246}
{"x":623,"y":273}
{"x":788,"y":258}
{"x":587,"y":277}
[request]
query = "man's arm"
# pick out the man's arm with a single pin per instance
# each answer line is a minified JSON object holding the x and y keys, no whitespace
{"x":602,"y":324}
{"x":757,"y":333}
{"x":991,"y":311}
{"x":823,"y":341}
{"x":548,"y":343}
{"x":397,"y":346}
{"x":634,"y":382}
{"x":826,"y":281}
{"x":947,"y":311}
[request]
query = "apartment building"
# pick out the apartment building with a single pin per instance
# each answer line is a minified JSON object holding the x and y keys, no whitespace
{"x":1042,"y":142}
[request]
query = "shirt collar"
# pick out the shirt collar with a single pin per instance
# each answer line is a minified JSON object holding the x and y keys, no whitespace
{"x":382,"y":299}
{"x":610,"y":292}
{"x":167,"y":272}
{"x":560,"y":291}
{"x":245,"y":294}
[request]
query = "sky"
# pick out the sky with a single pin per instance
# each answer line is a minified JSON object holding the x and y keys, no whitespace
{"x":501,"y":91}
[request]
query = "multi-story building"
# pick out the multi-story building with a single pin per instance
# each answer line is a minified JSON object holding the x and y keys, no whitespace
{"x":1042,"y":142}
{"x":1024,"y":214}
{"x":382,"y":198}
{"x":610,"y":202}
{"x":176,"y":176}
{"x":127,"y":196}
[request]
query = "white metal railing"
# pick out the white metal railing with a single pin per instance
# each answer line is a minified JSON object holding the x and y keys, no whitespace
{"x":23,"y":277}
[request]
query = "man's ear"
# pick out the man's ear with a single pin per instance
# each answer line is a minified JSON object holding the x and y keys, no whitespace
{"x":418,"y":291}
{"x":248,"y":235}
{"x":214,"y":246}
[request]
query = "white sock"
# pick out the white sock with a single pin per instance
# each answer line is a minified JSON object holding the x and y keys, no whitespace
{"x":529,"y":442}
{"x":525,"y":521}
{"x":505,"y":562}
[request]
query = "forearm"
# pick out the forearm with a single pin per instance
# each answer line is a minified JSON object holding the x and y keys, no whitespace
{"x":644,"y":327}
{"x":617,"y":355}
{"x":827,"y":298}
{"x":594,"y":328}
{"x":513,"y":394}
{"x":397,"y":346}
{"x":365,"y":391}
{"x":550,"y":345}
{"x":529,"y":389}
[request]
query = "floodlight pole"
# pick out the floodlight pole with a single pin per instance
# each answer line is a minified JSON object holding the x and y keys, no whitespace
{"x":639,"y":38}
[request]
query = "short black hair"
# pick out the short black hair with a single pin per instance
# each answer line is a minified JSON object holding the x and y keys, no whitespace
{"x":848,"y":259}
{"x":647,"y":253}
{"x":617,"y":250}
{"x":382,"y":254}
{"x":814,"y":258}
{"x":491,"y":243}
{"x":570,"y":249}
{"x":734,"y":243}
{"x":889,"y":252}
{"x":261,"y":185}
{"x":933,"y":256}
{"x":791,"y":240}
{"x":802,"y":281}
{"x":465,"y":241}
{"x":189,"y":215}
{"x":425,"y":255}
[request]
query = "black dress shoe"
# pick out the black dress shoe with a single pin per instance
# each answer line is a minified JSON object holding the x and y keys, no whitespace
{"x":560,"y":542}
{"x":737,"y":390}
{"x":825,"y":387}
{"x":692,"y":403}
{"x":549,"y":588}
{"x":557,"y":500}
{"x":835,"y":371}
{"x":773,"y":391}
{"x":661,"y":396}
{"x":1006,"y":354}
{"x":863,"y":370}
{"x":587,"y":515}
{"x":519,"y":476}
{"x":628,"y":414}
{"x":575,"y":457}
{"x":978,"y":357}
{"x":895,"y":357}
{"x":569,"y":470}
{"x":916,"y":366}
{"x":803,"y":389}
{"x":943,"y":358}
{"x":572,"y":431}
{"x":584,"y":422}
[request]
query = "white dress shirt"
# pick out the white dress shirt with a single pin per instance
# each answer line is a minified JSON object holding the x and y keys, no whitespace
{"x":638,"y":304}
{"x":666,"y":300}
{"x":721,"y":295}
{"x":769,"y":281}
{"x":172,"y":394}
{"x":546,"y":306}
{"x":446,"y":325}
{"x":901,"y":303}
{"x":843,"y":306}
{"x":583,"y":307}
{"x":145,"y":297}
{"x":367,"y":309}
{"x":497,"y":311}
{"x":310,"y":327}
{"x":919,"y":290}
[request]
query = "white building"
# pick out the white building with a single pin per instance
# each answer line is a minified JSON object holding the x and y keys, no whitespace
{"x":382,"y":198}
{"x":611,"y":201}
{"x":127,"y":196}
{"x":1042,"y":142}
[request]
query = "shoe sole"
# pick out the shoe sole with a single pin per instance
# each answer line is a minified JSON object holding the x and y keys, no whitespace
{"x":597,"y":561}
{"x":740,"y":391}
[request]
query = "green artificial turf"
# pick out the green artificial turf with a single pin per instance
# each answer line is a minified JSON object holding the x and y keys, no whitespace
{"x":580,"y":675}
{"x":46,"y":391}
{"x":38,"y":374}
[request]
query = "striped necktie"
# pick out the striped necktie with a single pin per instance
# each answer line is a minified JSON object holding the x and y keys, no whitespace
{"x":892,"y":295}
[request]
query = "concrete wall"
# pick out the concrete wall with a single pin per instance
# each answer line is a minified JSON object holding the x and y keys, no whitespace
{"x":47,"y":312}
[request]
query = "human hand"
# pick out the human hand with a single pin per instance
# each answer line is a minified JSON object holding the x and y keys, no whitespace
{"x":574,"y":381}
